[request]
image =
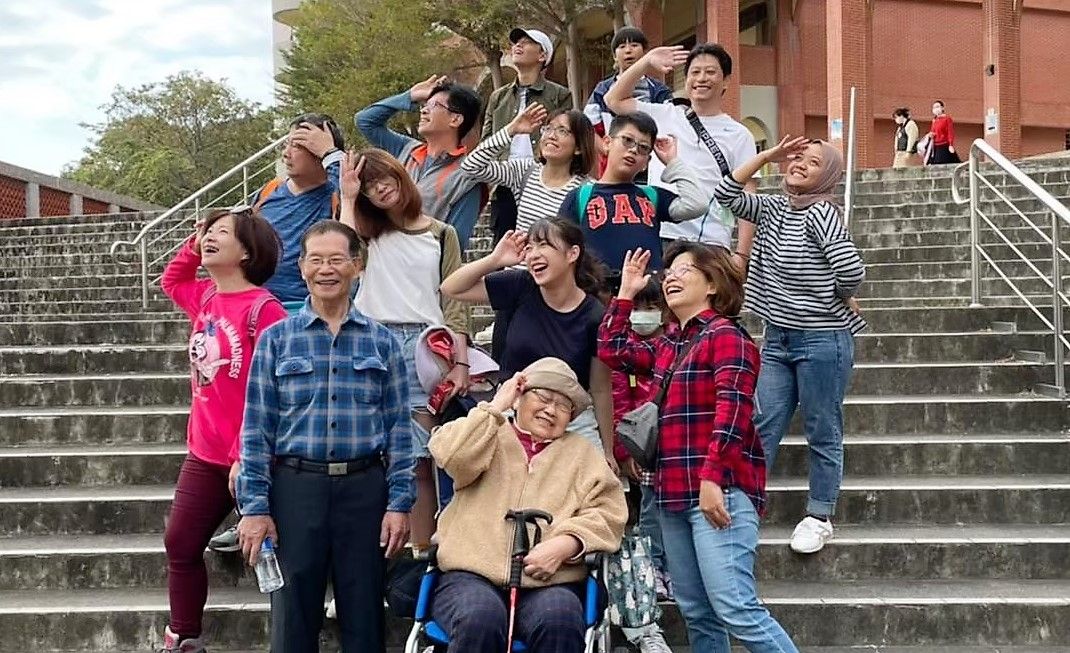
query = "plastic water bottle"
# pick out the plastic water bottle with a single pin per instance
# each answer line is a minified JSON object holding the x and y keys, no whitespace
{"x":268,"y":574}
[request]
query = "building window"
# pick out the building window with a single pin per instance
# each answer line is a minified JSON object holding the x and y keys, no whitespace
{"x":755,"y":24}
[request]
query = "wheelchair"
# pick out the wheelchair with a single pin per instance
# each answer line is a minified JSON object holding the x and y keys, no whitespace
{"x":425,"y":632}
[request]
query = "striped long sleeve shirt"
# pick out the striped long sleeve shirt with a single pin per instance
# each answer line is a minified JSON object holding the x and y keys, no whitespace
{"x":535,"y":200}
{"x":803,"y":266}
{"x":326,"y":398}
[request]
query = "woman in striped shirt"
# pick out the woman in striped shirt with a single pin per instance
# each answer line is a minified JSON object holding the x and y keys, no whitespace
{"x":803,"y":273}
{"x":565,"y":158}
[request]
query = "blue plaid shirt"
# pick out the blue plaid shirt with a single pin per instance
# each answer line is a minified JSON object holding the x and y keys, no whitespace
{"x":326,"y":398}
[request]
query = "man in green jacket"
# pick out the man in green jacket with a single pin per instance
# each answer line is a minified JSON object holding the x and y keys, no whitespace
{"x":532,"y":53}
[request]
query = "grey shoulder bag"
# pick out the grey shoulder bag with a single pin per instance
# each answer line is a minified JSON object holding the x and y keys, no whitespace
{"x":638,"y":428}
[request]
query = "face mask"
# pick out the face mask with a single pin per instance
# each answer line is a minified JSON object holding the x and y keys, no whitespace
{"x":646,"y":322}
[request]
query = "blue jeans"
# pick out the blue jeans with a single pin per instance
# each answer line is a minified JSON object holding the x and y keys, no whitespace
{"x":407,"y":336}
{"x":809,"y":369}
{"x":713,"y":575}
{"x":649,"y":526}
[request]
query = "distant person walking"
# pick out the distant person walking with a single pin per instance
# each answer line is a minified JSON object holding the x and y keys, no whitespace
{"x":906,"y":140}
{"x":943,"y":137}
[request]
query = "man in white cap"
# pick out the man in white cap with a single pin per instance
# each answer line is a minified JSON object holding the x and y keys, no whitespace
{"x":531,"y":53}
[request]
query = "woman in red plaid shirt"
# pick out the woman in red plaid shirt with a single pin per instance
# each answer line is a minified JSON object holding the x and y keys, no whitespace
{"x":711,"y":470}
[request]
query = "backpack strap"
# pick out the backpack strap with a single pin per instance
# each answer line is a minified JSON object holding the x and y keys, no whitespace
{"x":266,"y":191}
{"x":583,"y":198}
{"x":650,"y":192}
{"x":208,"y":295}
{"x":254,"y":314}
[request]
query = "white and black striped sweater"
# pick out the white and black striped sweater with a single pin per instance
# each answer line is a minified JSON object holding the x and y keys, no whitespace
{"x":803,"y":265}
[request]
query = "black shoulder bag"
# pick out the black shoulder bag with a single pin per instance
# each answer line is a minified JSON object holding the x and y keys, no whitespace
{"x":711,"y":144}
{"x":638,"y":428}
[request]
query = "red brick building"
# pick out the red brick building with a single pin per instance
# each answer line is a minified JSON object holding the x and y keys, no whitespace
{"x":1001,"y":66}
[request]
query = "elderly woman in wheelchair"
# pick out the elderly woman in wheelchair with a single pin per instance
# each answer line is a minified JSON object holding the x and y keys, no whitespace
{"x":531,"y":502}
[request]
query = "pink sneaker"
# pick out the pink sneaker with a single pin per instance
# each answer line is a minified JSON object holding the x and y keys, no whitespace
{"x":171,"y":644}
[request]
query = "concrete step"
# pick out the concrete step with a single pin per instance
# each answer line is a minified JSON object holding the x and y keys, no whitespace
{"x":1015,"y":193}
{"x":45,"y":309}
{"x":857,"y":553}
{"x":1005,"y":219}
{"x":136,"y":464}
{"x":129,"y":278}
{"x":1040,"y":254}
{"x":920,"y":289}
{"x":863,"y":414}
{"x":973,"y":612}
{"x":1029,"y":499}
{"x":93,"y":334}
{"x":920,"y":271}
{"x":866,"y":241}
{"x":873,"y":375}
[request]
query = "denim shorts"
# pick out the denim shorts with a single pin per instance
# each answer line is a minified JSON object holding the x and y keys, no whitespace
{"x":408,"y":335}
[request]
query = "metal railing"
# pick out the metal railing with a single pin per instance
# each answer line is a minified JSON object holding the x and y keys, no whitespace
{"x":849,"y":184}
{"x":1060,"y":217}
{"x":163,"y":235}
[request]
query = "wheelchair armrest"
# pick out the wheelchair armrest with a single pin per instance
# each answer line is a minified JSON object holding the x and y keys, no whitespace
{"x":427,"y":586}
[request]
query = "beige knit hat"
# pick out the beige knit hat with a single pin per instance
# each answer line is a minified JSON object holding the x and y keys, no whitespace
{"x":554,"y":374}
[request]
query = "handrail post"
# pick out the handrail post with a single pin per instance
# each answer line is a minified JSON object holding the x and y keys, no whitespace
{"x":849,"y":185}
{"x":975,"y":233}
{"x":1057,"y":303}
{"x":244,"y":184}
{"x":144,"y":274}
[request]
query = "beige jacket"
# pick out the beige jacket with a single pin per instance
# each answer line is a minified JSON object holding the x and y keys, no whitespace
{"x":568,"y":479}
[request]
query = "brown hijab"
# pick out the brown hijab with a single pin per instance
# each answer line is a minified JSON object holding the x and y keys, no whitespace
{"x":825,"y":189}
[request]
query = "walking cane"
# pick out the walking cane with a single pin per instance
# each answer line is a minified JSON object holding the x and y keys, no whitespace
{"x":521,"y":546}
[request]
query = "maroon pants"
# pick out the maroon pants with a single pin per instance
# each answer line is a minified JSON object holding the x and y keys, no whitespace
{"x":202,"y":501}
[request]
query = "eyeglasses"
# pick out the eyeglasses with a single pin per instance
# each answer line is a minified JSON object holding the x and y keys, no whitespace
{"x":560,"y":132}
{"x":333,"y":262}
{"x":435,"y":104}
{"x":378,"y":186}
{"x":678,"y":271}
{"x":547,"y":399}
{"x":629,"y":143}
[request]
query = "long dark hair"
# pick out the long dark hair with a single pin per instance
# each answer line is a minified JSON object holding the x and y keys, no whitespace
{"x":561,"y":234}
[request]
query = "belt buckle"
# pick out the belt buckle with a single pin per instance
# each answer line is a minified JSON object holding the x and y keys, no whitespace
{"x":337,"y":469}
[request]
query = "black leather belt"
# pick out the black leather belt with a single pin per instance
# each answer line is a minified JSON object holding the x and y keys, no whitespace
{"x":341,"y":468}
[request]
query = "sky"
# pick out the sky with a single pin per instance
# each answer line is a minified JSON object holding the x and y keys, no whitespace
{"x":60,"y":60}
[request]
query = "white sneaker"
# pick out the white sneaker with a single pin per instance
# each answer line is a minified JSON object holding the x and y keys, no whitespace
{"x":810,"y":535}
{"x":485,"y":337}
{"x":652,"y":642}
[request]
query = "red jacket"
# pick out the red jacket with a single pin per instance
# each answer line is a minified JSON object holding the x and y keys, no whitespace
{"x":943,"y":130}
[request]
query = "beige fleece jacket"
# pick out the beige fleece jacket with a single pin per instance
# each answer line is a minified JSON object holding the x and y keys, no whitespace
{"x":568,"y":479}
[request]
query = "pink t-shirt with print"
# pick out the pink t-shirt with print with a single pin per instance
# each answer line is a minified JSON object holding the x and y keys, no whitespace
{"x":220,"y":353}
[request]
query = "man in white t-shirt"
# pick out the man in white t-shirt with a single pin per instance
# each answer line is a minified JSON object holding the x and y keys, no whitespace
{"x":707,"y":67}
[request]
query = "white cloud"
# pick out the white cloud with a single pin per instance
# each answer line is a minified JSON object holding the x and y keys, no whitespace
{"x":63,"y":58}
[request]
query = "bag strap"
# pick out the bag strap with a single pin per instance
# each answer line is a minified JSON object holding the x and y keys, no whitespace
{"x":584,"y":197}
{"x":665,"y":380}
{"x":254,"y":314}
{"x":272,"y":186}
{"x":650,"y":192}
{"x":711,"y":144}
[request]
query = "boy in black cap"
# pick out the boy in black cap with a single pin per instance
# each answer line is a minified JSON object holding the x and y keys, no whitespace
{"x":628,"y":46}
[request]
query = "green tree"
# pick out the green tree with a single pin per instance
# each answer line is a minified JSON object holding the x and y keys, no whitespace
{"x":161,"y":142}
{"x":484,"y":23}
{"x":350,"y":53}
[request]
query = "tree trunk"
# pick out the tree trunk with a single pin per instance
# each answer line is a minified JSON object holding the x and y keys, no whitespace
{"x":494,"y":65}
{"x":572,"y":52}
{"x":618,"y":13}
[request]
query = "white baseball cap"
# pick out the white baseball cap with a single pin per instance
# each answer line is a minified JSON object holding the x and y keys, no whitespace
{"x":535,"y":35}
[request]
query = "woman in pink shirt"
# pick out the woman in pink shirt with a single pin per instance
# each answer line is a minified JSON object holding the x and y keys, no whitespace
{"x":228,"y":312}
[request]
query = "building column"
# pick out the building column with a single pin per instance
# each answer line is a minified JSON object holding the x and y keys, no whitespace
{"x":647,"y":16}
{"x":1002,"y":51}
{"x":849,"y":34}
{"x":76,"y":205}
{"x":791,"y":89}
{"x":722,"y":26}
{"x":33,"y":200}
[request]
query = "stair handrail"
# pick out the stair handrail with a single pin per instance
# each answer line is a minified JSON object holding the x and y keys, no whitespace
{"x":1060,"y":218}
{"x":141,"y":239}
